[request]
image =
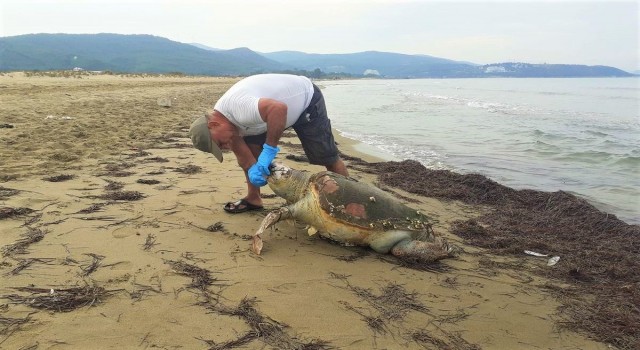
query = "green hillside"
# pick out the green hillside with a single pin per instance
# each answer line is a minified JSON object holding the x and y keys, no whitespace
{"x":124,"y":53}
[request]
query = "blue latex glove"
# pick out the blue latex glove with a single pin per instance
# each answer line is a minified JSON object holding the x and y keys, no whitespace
{"x":265,"y":158}
{"x":256,"y":177}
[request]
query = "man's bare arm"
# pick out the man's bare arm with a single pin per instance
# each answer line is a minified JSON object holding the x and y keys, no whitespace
{"x":242,"y":152}
{"x":274,"y":113}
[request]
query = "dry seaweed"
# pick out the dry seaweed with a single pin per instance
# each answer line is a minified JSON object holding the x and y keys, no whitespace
{"x":454,"y":341}
{"x":238,"y":342}
{"x":428,"y":341}
{"x":297,"y":158}
{"x":24,"y":264}
{"x":122,"y":196}
{"x":148,"y":182}
{"x":59,"y":178}
{"x":218,"y":226}
{"x":33,"y":235}
{"x":200,"y":278}
{"x":392,"y":303}
{"x":157,"y":160}
{"x":139,"y":153}
{"x":266,"y":329}
{"x":357,"y":255}
{"x":599,"y":252}
{"x":189,"y":169}
{"x":118,"y":167}
{"x":59,"y":300}
{"x":11,"y":324}
{"x":91,"y":209}
{"x":374,"y":322}
{"x":93,"y":266}
{"x":9,"y":212}
{"x":7,"y":192}
{"x":113,"y":185}
{"x":149,"y":242}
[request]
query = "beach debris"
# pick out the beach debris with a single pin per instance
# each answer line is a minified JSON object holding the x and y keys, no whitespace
{"x":391,"y":304}
{"x":553,"y":260}
{"x":339,"y":208}
{"x":91,"y":209}
{"x":10,"y":324}
{"x":9,"y":212}
{"x":164,"y":102}
{"x":93,"y":266}
{"x":64,"y":117}
{"x":59,"y":178}
{"x":7,"y":192}
{"x":157,"y":160}
{"x":297,"y":158}
{"x":149,"y":242}
{"x":200,"y":278}
{"x":189,"y":169}
{"x":61,"y":299}
{"x":138,"y":153}
{"x":123,"y":196}
{"x":148,"y":181}
{"x":357,"y":255}
{"x":6,"y":126}
{"x":529,"y":252}
{"x":218,"y":226}
{"x":33,"y":235}
{"x":113,"y":185}
{"x":23,"y":264}
{"x":263,"y":328}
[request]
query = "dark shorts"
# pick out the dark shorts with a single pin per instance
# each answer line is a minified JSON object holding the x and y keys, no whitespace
{"x":314,"y":131}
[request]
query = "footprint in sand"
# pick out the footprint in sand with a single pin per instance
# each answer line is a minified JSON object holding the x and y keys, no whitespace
{"x":124,"y":232}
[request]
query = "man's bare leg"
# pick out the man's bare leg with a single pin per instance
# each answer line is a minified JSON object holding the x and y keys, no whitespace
{"x":253,"y":192}
{"x":338,"y":167}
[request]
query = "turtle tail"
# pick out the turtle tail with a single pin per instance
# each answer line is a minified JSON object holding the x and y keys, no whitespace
{"x":423,"y":251}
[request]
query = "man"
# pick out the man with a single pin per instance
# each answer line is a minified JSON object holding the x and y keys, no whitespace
{"x":249,"y":120}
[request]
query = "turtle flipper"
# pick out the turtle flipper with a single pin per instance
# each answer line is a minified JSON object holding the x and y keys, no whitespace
{"x":423,"y":251}
{"x":269,"y":220}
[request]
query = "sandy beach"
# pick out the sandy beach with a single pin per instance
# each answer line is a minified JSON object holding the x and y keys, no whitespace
{"x":113,"y":236}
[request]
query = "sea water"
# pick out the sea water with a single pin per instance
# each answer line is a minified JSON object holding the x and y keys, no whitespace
{"x":577,"y":135}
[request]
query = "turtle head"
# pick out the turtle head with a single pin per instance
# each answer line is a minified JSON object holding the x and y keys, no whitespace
{"x":286,"y":182}
{"x":279,"y":172}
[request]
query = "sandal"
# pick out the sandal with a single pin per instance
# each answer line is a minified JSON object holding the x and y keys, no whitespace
{"x":240,"y":207}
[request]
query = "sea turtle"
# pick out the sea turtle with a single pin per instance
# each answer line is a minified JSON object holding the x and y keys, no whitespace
{"x":351,"y":212}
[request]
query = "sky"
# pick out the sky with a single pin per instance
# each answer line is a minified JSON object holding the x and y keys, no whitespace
{"x":483,"y":32}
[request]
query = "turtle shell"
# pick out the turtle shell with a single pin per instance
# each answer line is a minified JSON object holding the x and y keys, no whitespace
{"x":355,"y":203}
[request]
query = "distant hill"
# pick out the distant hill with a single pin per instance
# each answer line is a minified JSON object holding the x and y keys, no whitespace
{"x":152,"y":54}
{"x":394,"y":65}
{"x":205,"y":47}
{"x":387,"y":64}
{"x":125,"y":53}
{"x":528,"y":70}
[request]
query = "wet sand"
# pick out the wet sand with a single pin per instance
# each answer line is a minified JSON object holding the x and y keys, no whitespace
{"x":158,"y":263}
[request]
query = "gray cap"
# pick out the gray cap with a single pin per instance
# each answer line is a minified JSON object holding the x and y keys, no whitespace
{"x":201,"y":138}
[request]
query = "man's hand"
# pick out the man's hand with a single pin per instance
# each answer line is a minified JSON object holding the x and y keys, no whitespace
{"x":265,"y":158}
{"x":256,"y":177}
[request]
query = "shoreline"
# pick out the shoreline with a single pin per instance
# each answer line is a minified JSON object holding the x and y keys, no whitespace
{"x":177,"y":270}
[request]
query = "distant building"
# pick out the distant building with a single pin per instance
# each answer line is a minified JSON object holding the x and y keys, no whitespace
{"x":495,"y":69}
{"x":78,"y":69}
{"x":371,"y":72}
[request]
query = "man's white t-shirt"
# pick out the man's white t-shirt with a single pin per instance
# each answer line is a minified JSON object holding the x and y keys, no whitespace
{"x":240,"y":103}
